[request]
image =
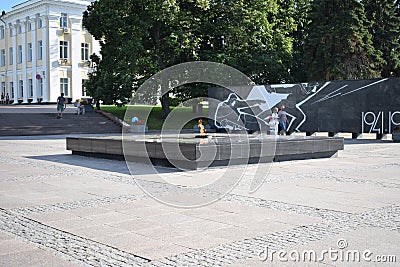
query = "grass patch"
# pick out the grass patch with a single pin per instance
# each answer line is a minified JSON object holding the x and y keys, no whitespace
{"x":154,"y":121}
{"x":116,"y":111}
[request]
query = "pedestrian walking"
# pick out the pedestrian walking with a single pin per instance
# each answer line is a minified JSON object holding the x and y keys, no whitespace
{"x":7,"y":99}
{"x":61,"y":106}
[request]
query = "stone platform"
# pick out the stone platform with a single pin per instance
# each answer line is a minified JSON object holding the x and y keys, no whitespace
{"x":187,"y":152}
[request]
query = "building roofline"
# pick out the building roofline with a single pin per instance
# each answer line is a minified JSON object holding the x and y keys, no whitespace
{"x":54,"y":2}
{"x":28,"y":5}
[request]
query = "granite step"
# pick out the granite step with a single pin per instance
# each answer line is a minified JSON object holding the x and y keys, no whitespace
{"x":16,"y":124}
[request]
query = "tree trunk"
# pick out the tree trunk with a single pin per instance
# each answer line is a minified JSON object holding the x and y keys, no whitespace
{"x":156,"y":33}
{"x":165,"y":106}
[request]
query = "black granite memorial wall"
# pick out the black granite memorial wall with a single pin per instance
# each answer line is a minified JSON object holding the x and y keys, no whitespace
{"x":355,"y":106}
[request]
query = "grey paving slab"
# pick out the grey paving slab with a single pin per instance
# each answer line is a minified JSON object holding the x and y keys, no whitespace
{"x":4,"y":236}
{"x":138,"y":224}
{"x":70,"y":224}
{"x":197,"y":242}
{"x":129,"y":242}
{"x":363,"y":247}
{"x":54,"y":216}
{"x":109,"y":217}
{"x":145,"y":212}
{"x":9,"y":202}
{"x":69,"y":210}
{"x":6,"y":246}
{"x":91,"y":232}
{"x":15,"y":170}
{"x":35,"y":258}
{"x":89,"y":211}
{"x":162,"y":250}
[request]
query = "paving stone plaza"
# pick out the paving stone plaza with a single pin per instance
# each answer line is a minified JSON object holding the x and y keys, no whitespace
{"x":59,"y":209}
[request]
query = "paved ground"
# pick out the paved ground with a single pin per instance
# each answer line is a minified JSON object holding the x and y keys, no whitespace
{"x":57,"y":209}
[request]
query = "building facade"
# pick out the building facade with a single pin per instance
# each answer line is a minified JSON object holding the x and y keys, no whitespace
{"x":44,"y":50}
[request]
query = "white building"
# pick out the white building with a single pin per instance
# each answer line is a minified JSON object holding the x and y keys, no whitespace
{"x":44,"y":50}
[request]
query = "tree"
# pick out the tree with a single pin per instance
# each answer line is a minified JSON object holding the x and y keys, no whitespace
{"x":139,"y":38}
{"x":252,"y":36}
{"x":298,"y":10}
{"x":338,"y":44}
{"x":385,"y":30}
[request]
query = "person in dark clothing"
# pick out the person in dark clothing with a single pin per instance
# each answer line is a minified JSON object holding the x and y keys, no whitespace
{"x":61,"y":105}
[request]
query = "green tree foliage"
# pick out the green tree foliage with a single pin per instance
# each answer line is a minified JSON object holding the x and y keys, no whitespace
{"x":271,"y":41}
{"x":138,"y":39}
{"x":251,"y":36}
{"x":141,"y":37}
{"x":298,"y":10}
{"x":385,"y":29}
{"x":338,"y":44}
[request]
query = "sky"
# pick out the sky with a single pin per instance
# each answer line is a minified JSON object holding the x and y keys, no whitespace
{"x":8,"y":4}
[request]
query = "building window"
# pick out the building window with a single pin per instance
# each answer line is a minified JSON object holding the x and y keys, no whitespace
{"x":2,"y":32}
{"x":30,"y":88}
{"x":29,"y":26}
{"x":11,"y":32}
{"x":84,"y":93}
{"x":63,"y":50}
{"x":64,"y":86}
{"x":29,"y":52}
{"x":3,"y":88}
{"x":3,"y":57}
{"x":40,"y":85}
{"x":10,"y":56}
{"x":40,"y":50}
{"x":11,"y":89}
{"x":39,"y":23}
{"x":84,"y":51}
{"x":21,"y":88}
{"x":20,"y":54}
{"x":19,"y":29}
{"x":63,"y":20}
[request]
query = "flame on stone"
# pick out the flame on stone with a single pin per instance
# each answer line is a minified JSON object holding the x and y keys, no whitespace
{"x":201,"y":127}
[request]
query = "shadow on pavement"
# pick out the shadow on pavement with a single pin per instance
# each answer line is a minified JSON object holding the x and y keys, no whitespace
{"x":107,"y":165}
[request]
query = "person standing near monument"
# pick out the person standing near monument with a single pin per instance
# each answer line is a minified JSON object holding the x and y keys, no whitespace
{"x":275,"y":116}
{"x":272,"y":125}
{"x":2,"y":98}
{"x":61,"y":105}
{"x":7,"y":99}
{"x":283,"y":120}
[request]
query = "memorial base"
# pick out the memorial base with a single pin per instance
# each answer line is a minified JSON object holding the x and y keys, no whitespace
{"x":188,"y":152}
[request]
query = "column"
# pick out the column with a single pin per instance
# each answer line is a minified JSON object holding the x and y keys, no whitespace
{"x":14,"y":71}
{"x":24,"y":60}
{"x":45,"y":60}
{"x":76,"y":79}
{"x":34,"y":63}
